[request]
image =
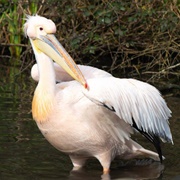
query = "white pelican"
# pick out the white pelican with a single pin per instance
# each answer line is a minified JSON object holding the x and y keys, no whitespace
{"x":98,"y":118}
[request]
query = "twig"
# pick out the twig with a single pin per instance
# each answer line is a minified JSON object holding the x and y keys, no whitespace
{"x":10,"y":44}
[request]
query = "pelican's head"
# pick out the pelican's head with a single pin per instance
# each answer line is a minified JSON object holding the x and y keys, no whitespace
{"x":40,"y":31}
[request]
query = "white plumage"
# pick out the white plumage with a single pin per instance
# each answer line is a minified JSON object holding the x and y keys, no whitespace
{"x":96,"y":121}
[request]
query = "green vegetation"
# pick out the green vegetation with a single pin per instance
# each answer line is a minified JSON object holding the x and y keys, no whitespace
{"x":138,"y":38}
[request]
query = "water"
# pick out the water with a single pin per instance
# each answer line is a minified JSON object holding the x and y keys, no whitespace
{"x":25,"y":154}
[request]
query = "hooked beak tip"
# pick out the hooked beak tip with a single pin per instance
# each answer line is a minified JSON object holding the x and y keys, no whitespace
{"x":86,"y":86}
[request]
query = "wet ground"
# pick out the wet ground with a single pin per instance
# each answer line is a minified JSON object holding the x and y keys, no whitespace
{"x":25,"y":154}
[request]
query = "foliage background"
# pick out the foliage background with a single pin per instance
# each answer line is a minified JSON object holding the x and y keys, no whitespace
{"x":137,"y":38}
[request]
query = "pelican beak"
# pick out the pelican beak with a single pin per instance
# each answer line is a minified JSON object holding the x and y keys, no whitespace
{"x":49,"y":45}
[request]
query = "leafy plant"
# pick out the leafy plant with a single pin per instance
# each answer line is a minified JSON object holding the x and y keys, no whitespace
{"x":138,"y":38}
{"x":12,"y":20}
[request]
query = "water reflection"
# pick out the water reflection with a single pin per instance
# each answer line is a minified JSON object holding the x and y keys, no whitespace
{"x":141,"y":170}
{"x":25,"y":154}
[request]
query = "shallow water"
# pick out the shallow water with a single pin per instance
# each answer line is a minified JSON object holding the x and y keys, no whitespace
{"x":25,"y":154}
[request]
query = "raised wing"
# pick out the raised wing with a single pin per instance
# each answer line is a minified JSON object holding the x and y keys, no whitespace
{"x":62,"y":76}
{"x":136,"y":102}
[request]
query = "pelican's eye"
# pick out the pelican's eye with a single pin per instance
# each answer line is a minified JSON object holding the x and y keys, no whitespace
{"x":41,"y":28}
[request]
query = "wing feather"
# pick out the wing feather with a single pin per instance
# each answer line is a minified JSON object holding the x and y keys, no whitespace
{"x":128,"y":98}
{"x":62,"y":76}
{"x":133,"y":99}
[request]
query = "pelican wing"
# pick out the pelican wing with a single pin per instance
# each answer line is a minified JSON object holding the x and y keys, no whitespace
{"x":62,"y":76}
{"x":136,"y":102}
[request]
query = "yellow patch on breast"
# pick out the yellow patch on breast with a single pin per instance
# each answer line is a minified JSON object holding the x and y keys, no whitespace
{"x":42,"y":106}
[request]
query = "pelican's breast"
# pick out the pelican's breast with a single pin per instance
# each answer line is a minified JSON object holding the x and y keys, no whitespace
{"x":42,"y":106}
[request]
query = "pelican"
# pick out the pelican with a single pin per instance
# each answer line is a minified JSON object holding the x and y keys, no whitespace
{"x":90,"y":113}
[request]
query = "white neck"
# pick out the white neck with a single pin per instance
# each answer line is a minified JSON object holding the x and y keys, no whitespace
{"x":46,"y":72}
{"x":44,"y":96}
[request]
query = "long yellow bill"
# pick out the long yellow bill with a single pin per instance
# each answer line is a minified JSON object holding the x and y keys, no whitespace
{"x":52,"y":47}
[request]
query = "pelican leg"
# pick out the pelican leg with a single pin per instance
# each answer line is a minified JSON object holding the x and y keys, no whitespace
{"x":78,"y":162}
{"x":105,"y":160}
